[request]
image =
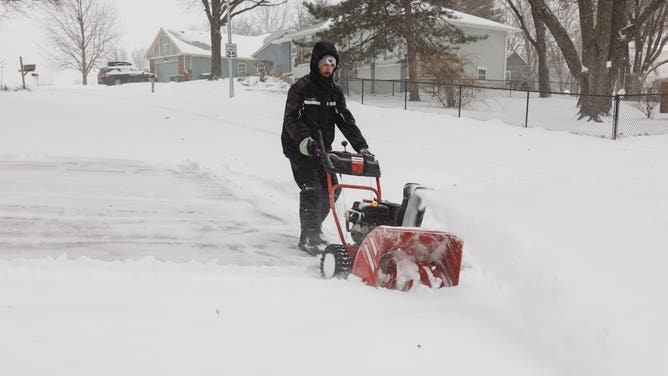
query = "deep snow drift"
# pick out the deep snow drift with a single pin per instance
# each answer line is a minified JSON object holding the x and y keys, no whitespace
{"x":154,"y":234}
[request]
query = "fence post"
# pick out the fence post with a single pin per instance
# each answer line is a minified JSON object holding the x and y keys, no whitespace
{"x":362,"y":91}
{"x":510,"y":88}
{"x":392,"y":88}
{"x":460,"y":102}
{"x":526,"y":115}
{"x":615,"y":119}
{"x":347,"y":87}
{"x":406,"y":95}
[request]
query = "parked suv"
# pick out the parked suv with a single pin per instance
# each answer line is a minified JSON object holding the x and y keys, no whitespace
{"x":120,"y":72}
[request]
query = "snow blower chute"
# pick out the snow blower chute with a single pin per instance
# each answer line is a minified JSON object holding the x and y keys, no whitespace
{"x":388,"y":248}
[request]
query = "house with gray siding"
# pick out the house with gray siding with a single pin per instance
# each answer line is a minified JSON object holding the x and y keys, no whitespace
{"x":300,"y":56}
{"x":177,"y":55}
{"x":486,"y":56}
{"x":274,"y":55}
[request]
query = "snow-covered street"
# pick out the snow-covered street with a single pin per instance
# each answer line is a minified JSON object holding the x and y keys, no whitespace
{"x":155,"y":234}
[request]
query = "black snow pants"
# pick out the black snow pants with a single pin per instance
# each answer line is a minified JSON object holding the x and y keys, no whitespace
{"x":311,"y":178}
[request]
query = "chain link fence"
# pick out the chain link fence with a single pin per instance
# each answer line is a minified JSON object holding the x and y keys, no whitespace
{"x":629,"y":115}
{"x":639,"y":114}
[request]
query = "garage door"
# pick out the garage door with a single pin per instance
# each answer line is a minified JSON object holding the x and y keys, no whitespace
{"x":166,"y":70}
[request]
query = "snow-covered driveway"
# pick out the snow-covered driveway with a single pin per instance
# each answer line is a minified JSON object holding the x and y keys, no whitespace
{"x":118,"y":209}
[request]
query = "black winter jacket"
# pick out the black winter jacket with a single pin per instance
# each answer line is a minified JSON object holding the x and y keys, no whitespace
{"x":313,"y":103}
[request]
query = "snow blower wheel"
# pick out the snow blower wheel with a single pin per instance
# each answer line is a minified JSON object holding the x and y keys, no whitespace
{"x":335,"y":262}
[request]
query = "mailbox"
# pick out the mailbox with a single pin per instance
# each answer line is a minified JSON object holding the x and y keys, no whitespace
{"x":29,"y":67}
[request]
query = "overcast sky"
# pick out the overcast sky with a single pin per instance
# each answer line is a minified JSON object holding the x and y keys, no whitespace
{"x":140,"y":21}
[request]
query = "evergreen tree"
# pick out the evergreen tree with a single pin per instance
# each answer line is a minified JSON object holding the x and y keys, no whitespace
{"x":365,"y":29}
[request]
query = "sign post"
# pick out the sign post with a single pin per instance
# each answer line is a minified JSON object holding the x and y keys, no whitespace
{"x":233,"y":48}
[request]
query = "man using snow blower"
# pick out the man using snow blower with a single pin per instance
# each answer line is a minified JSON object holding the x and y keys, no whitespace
{"x":315,"y":103}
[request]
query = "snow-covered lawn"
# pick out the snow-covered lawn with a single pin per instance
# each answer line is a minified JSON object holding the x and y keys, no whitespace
{"x":558,"y":112}
{"x":155,"y":234}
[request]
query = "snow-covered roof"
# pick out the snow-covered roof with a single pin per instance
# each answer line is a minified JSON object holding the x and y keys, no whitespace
{"x":465,"y":19}
{"x":190,"y":42}
{"x":271,"y":39}
{"x":304,"y":32}
{"x":198,"y":43}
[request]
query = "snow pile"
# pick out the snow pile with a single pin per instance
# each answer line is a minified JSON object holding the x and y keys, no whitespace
{"x":271,"y":84}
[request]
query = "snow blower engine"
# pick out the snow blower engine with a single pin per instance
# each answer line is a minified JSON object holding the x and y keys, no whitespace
{"x":365,"y":215}
{"x":389,"y":248}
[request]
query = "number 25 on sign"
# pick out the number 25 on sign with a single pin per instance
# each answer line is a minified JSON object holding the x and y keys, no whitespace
{"x":230,"y":50}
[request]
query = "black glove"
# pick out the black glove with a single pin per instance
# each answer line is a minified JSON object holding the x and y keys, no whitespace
{"x":308,"y":147}
{"x":365,"y":152}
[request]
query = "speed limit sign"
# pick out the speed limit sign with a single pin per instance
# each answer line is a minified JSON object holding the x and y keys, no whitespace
{"x":231,"y":50}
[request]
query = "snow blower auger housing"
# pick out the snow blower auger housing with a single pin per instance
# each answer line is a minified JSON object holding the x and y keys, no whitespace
{"x":388,"y":249}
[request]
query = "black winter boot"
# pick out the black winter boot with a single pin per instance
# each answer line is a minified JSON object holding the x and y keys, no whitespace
{"x":312,"y":243}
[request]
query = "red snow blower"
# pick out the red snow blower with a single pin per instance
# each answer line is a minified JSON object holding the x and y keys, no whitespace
{"x":388,"y":249}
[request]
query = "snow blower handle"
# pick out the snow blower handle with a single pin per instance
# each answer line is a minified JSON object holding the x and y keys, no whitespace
{"x":323,"y":154}
{"x":321,"y":142}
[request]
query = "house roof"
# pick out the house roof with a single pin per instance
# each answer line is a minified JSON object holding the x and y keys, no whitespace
{"x":269,"y":40}
{"x":465,"y":19}
{"x":515,"y":55}
{"x":304,"y":32}
{"x":197,"y":43}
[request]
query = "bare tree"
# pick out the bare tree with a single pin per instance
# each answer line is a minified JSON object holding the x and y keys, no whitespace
{"x":9,"y":8}
{"x":566,"y":12}
{"x":262,"y":20}
{"x":301,"y":17}
{"x":118,"y":54}
{"x":538,"y":42}
{"x":646,"y":103}
{"x":216,"y":12}
{"x":80,"y":33}
{"x":245,"y":26}
{"x":138,"y":58}
{"x":605,"y":30}
{"x":271,"y":19}
{"x":648,"y":43}
{"x":446,"y":68}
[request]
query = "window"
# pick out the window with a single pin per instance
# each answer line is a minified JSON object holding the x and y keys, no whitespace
{"x":242,"y":69}
{"x":482,"y":73}
{"x":163,"y":46}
